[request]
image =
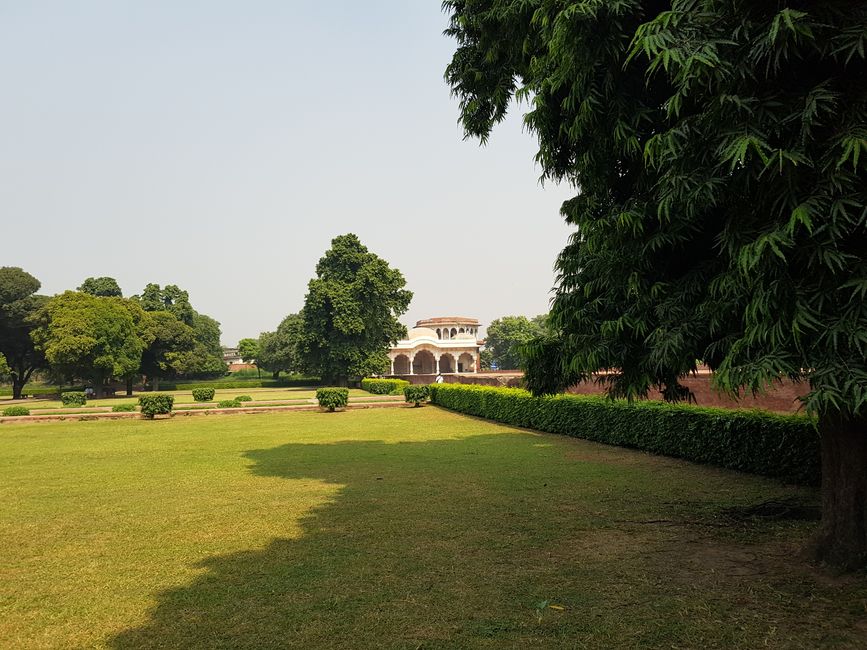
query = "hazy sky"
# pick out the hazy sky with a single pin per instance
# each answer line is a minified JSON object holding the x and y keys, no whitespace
{"x":220,"y":146}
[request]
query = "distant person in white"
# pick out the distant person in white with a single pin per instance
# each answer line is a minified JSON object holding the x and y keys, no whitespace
{"x":439,"y":379}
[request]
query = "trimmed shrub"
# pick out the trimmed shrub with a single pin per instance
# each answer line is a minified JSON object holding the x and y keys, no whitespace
{"x":15,"y":411}
{"x":332,"y":398}
{"x":203,"y":394}
{"x":779,"y":446}
{"x":243,"y":398}
{"x":156,"y":404}
{"x":123,"y":408}
{"x":73,"y":398}
{"x":384,"y":386}
{"x":416,"y":394}
{"x":228,"y":404}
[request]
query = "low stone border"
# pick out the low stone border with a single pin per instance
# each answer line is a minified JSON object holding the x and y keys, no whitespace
{"x":85,"y":417}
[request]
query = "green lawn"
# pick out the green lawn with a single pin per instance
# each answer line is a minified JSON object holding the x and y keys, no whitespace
{"x":395,"y":528}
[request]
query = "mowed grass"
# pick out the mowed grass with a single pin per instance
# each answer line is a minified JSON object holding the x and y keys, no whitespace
{"x":396,"y":528}
{"x":184,"y":397}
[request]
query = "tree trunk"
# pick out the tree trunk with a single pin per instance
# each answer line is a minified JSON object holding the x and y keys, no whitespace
{"x":155,"y":381}
{"x":129,"y":387}
{"x":842,"y":537}
{"x":18,"y":382}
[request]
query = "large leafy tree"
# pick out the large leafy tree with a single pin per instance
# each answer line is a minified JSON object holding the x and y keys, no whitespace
{"x":171,"y":342}
{"x":506,"y":337}
{"x":278,"y":351}
{"x":351,"y":310}
{"x":92,"y":337}
{"x":249,"y":350}
{"x":102,"y":286}
{"x":18,"y":304}
{"x":719,"y":151}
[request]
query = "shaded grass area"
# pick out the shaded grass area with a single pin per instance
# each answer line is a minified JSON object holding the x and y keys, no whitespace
{"x":399,"y":528}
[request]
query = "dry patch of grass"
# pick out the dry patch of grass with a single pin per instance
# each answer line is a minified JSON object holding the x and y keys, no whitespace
{"x":398,"y":528}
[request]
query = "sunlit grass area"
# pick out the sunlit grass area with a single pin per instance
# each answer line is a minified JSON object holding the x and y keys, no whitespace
{"x":393,"y":528}
{"x":183,"y":397}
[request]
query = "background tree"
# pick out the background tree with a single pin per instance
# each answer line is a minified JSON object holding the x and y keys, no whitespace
{"x":18,"y":304}
{"x":507,"y":335}
{"x":720,"y":150}
{"x":171,"y":341}
{"x":249,"y":351}
{"x":92,"y":338}
{"x":278,"y":351}
{"x":350,"y":313}
{"x":103,"y":286}
{"x":4,"y":369}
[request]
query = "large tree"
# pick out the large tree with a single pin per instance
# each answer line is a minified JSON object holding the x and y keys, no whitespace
{"x":92,"y":337}
{"x":18,"y":305}
{"x":172,"y":341}
{"x":719,"y":152}
{"x":351,"y":312}
{"x":278,"y":351}
{"x":102,"y":286}
{"x":507,"y":335}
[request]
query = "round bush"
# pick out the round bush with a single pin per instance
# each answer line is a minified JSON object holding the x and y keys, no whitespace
{"x":243,"y":398}
{"x":332,"y":398}
{"x":123,"y":408}
{"x":73,"y":398}
{"x":203,"y":394}
{"x":416,"y":394}
{"x":156,"y":404}
{"x":15,"y":411}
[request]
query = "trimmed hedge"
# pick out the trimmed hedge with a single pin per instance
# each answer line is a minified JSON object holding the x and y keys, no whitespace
{"x":384,"y":386}
{"x":416,"y":394}
{"x":243,"y":398}
{"x":123,"y":408}
{"x":15,"y":411}
{"x":203,"y":394}
{"x":332,"y":398}
{"x":779,"y":446}
{"x":230,"y":384}
{"x":228,"y":404}
{"x":73,"y":398}
{"x":156,"y":404}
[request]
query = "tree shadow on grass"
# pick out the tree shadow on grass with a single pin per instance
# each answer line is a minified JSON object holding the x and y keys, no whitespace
{"x":450,"y":543}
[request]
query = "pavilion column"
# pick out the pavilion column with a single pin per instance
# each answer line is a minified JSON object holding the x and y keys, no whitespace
{"x":477,"y":362}
{"x":411,"y":359}
{"x":438,"y":364}
{"x":392,"y":365}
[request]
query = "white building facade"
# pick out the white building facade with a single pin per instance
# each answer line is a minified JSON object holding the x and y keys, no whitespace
{"x":438,"y":346}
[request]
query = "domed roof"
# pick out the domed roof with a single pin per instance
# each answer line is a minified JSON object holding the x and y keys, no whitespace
{"x":421,"y":332}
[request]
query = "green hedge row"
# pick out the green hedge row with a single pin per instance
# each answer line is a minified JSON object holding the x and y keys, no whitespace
{"x":223,"y":384}
{"x":779,"y":446}
{"x":384,"y":386}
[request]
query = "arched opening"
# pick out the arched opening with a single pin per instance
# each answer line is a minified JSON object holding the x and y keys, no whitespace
{"x":439,"y":333}
{"x":401,"y":364}
{"x":466,"y":363}
{"x":447,"y":363}
{"x":454,"y":333}
{"x":461,"y":331}
{"x":424,"y":363}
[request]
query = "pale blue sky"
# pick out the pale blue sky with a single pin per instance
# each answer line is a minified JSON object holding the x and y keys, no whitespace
{"x":221,"y":145}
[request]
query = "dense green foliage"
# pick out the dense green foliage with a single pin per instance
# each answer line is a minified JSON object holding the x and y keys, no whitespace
{"x":228,"y":403}
{"x":244,"y":398}
{"x":720,"y":149}
{"x":123,"y":408}
{"x":73,"y":398}
{"x":278,"y":351}
{"x":505,"y":338}
{"x":205,"y":394}
{"x":332,"y":398}
{"x":18,"y":306}
{"x":416,"y":394}
{"x":102,"y":286}
{"x":780,"y":446}
{"x":172,"y":342}
{"x":351,"y":310}
{"x":92,"y":337}
{"x":249,"y":350}
{"x":219,"y":384}
{"x":384,"y":386}
{"x":15,"y":411}
{"x":156,"y":404}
